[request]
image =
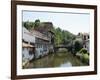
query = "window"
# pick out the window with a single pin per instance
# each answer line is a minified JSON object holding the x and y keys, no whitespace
{"x":88,"y":36}
{"x":84,"y":37}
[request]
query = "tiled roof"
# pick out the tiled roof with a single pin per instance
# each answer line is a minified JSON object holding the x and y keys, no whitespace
{"x":39,"y":35}
{"x":27,"y":36}
{"x":44,"y":26}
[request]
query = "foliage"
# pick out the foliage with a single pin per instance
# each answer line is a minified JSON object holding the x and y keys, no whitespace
{"x":58,"y":36}
{"x":36,"y":23}
{"x":29,"y":25}
{"x":77,"y":45}
{"x":83,"y":50}
{"x":85,"y":55}
{"x":85,"y":58}
{"x":63,"y":36}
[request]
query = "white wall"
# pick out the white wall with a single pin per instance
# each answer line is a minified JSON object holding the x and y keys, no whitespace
{"x":5,"y":31}
{"x":27,"y":36}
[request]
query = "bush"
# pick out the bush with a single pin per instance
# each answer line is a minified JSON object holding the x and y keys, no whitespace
{"x":85,"y":58}
{"x":85,"y":55}
{"x":77,"y":45}
{"x":83,"y":50}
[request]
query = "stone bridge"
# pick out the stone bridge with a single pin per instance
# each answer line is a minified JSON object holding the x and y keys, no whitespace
{"x":60,"y":46}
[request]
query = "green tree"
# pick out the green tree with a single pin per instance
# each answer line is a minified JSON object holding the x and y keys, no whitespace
{"x":36,"y":23}
{"x":63,"y":36}
{"x":58,"y":36}
{"x":77,"y":45}
{"x":28,"y":25}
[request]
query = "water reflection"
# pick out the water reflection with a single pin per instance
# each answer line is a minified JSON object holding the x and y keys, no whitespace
{"x":68,"y":64}
{"x":55,"y":60}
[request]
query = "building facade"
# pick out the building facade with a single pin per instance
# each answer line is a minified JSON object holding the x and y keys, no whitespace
{"x":41,"y":44}
{"x":46,"y":29}
{"x":28,"y":47}
{"x":86,"y":41}
{"x":37,"y":42}
{"x":85,"y":38}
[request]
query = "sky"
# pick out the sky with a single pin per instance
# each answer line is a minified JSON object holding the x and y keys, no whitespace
{"x":73,"y":22}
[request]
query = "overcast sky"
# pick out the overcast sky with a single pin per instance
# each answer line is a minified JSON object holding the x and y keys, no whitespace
{"x":73,"y":22}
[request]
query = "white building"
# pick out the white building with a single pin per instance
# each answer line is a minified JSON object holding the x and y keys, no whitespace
{"x":84,"y":37}
{"x":28,"y":47}
{"x":86,"y":41}
{"x":41,"y":44}
{"x":36,"y":44}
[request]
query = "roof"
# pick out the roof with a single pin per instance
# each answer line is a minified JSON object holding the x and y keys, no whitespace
{"x":44,"y":26}
{"x":27,"y":36}
{"x":26,"y":31}
{"x":39,"y":35}
{"x":27,"y":45}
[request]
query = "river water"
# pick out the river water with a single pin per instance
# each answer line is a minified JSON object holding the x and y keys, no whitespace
{"x":55,"y":60}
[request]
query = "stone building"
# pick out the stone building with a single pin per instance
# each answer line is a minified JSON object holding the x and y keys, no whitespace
{"x":37,"y":42}
{"x":41,"y":44}
{"x":86,"y":41}
{"x":46,"y":29}
{"x":85,"y":38}
{"x":28,"y":47}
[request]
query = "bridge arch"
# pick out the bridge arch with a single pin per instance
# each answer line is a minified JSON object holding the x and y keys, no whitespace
{"x":56,"y":48}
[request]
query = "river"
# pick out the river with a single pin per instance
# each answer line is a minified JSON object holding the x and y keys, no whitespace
{"x":55,"y":60}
